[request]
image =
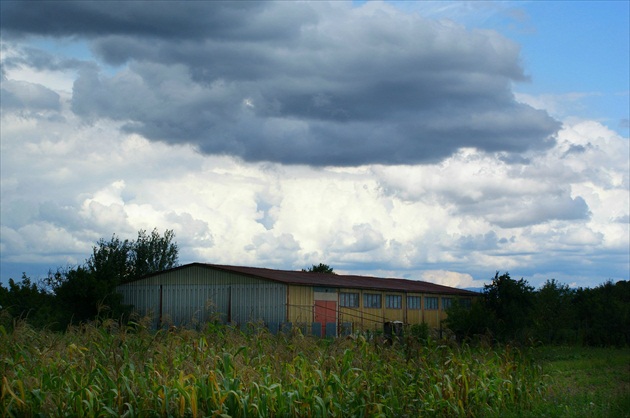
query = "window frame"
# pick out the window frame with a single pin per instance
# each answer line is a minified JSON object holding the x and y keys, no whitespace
{"x":390,"y":298}
{"x":413,"y":305}
{"x":345,"y":299}
{"x":428,"y":303}
{"x":372,"y":297}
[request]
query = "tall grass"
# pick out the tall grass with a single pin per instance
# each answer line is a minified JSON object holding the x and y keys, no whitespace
{"x":585,"y":382}
{"x":102,"y":370}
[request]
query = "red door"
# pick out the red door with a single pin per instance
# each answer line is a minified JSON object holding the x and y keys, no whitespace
{"x":325,"y":312}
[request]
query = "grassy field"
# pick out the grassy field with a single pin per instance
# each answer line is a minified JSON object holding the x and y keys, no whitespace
{"x":106,"y":370}
{"x":585,"y":382}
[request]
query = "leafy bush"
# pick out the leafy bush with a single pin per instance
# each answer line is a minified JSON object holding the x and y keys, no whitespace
{"x":420,"y":331}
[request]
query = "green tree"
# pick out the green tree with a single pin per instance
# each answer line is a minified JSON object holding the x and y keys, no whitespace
{"x":553,"y":313}
{"x":26,"y":300}
{"x":502,"y":311}
{"x":604,"y":313}
{"x":320,"y":268}
{"x":467,"y":322}
{"x":110,"y":261}
{"x":88,"y":290}
{"x":118,"y":261}
{"x":152,"y":253}
{"x":510,"y":301}
{"x":84,"y":296}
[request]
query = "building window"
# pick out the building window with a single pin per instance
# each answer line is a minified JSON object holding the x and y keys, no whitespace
{"x":430,"y":303}
{"x":465,"y":303}
{"x":414,"y":302}
{"x":393,"y":301}
{"x":349,"y":300}
{"x":371,"y":300}
{"x":447,"y":303}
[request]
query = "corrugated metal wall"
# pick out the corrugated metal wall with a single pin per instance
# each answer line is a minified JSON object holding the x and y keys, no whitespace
{"x":263,"y":301}
{"x":432,"y":317}
{"x":414,"y":316}
{"x":144,"y":298}
{"x":195,"y":294}
{"x":373,"y":318}
{"x":395,"y":314}
{"x":300,"y":304}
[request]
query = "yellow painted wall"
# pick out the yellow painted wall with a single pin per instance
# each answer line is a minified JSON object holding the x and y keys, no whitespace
{"x":300,"y":302}
{"x":373,"y":318}
{"x":432,"y":317}
{"x":414,"y":316}
{"x":394,"y":314}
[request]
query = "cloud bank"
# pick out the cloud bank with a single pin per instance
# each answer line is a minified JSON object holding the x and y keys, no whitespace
{"x":284,"y":135}
{"x":322,"y":84}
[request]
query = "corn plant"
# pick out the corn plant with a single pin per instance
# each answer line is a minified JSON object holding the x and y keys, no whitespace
{"x":103,"y":369}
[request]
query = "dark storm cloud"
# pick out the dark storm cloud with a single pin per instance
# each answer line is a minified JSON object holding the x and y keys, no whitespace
{"x":315,"y":83}
{"x":157,"y":19}
{"x":42,"y":60}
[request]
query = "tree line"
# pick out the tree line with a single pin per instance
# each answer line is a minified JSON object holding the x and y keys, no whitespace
{"x":84,"y":292}
{"x":510,"y":310}
{"x":507,"y":309}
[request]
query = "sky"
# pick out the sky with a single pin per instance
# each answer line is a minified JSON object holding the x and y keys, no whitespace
{"x":437,"y":141}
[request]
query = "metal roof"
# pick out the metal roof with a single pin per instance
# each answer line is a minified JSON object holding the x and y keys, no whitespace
{"x":336,"y":280}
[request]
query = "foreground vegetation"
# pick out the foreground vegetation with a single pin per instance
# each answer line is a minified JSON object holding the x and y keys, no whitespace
{"x":585,"y":382}
{"x":106,"y":370}
{"x":100,"y":368}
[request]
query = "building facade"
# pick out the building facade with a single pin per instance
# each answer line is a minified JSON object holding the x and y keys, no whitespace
{"x":318,"y":303}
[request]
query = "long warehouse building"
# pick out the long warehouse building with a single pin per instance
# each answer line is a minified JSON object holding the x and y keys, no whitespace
{"x":319,"y":303}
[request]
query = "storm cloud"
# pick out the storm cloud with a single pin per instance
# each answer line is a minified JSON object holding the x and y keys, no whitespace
{"x":373,"y":137}
{"x":310,"y":83}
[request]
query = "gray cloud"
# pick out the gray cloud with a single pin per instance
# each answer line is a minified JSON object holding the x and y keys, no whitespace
{"x":41,"y":60}
{"x":485,"y":242}
{"x":548,"y":208}
{"x":519,"y":208}
{"x":21,"y":95}
{"x":319,"y":84}
{"x":179,"y":20}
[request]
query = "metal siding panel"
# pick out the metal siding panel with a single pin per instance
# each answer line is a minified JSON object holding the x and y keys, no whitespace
{"x":347,"y":314}
{"x":202,"y":311}
{"x":300,"y":300}
{"x":262,"y":302}
{"x":197,"y":275}
{"x":391,"y":314}
{"x":350,"y":314}
{"x":198,"y":293}
{"x":443,"y":314}
{"x":278,"y":309}
{"x":414,"y":316}
{"x":430,"y":316}
{"x":372,"y":317}
{"x":144,"y":298}
{"x":216,"y":302}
